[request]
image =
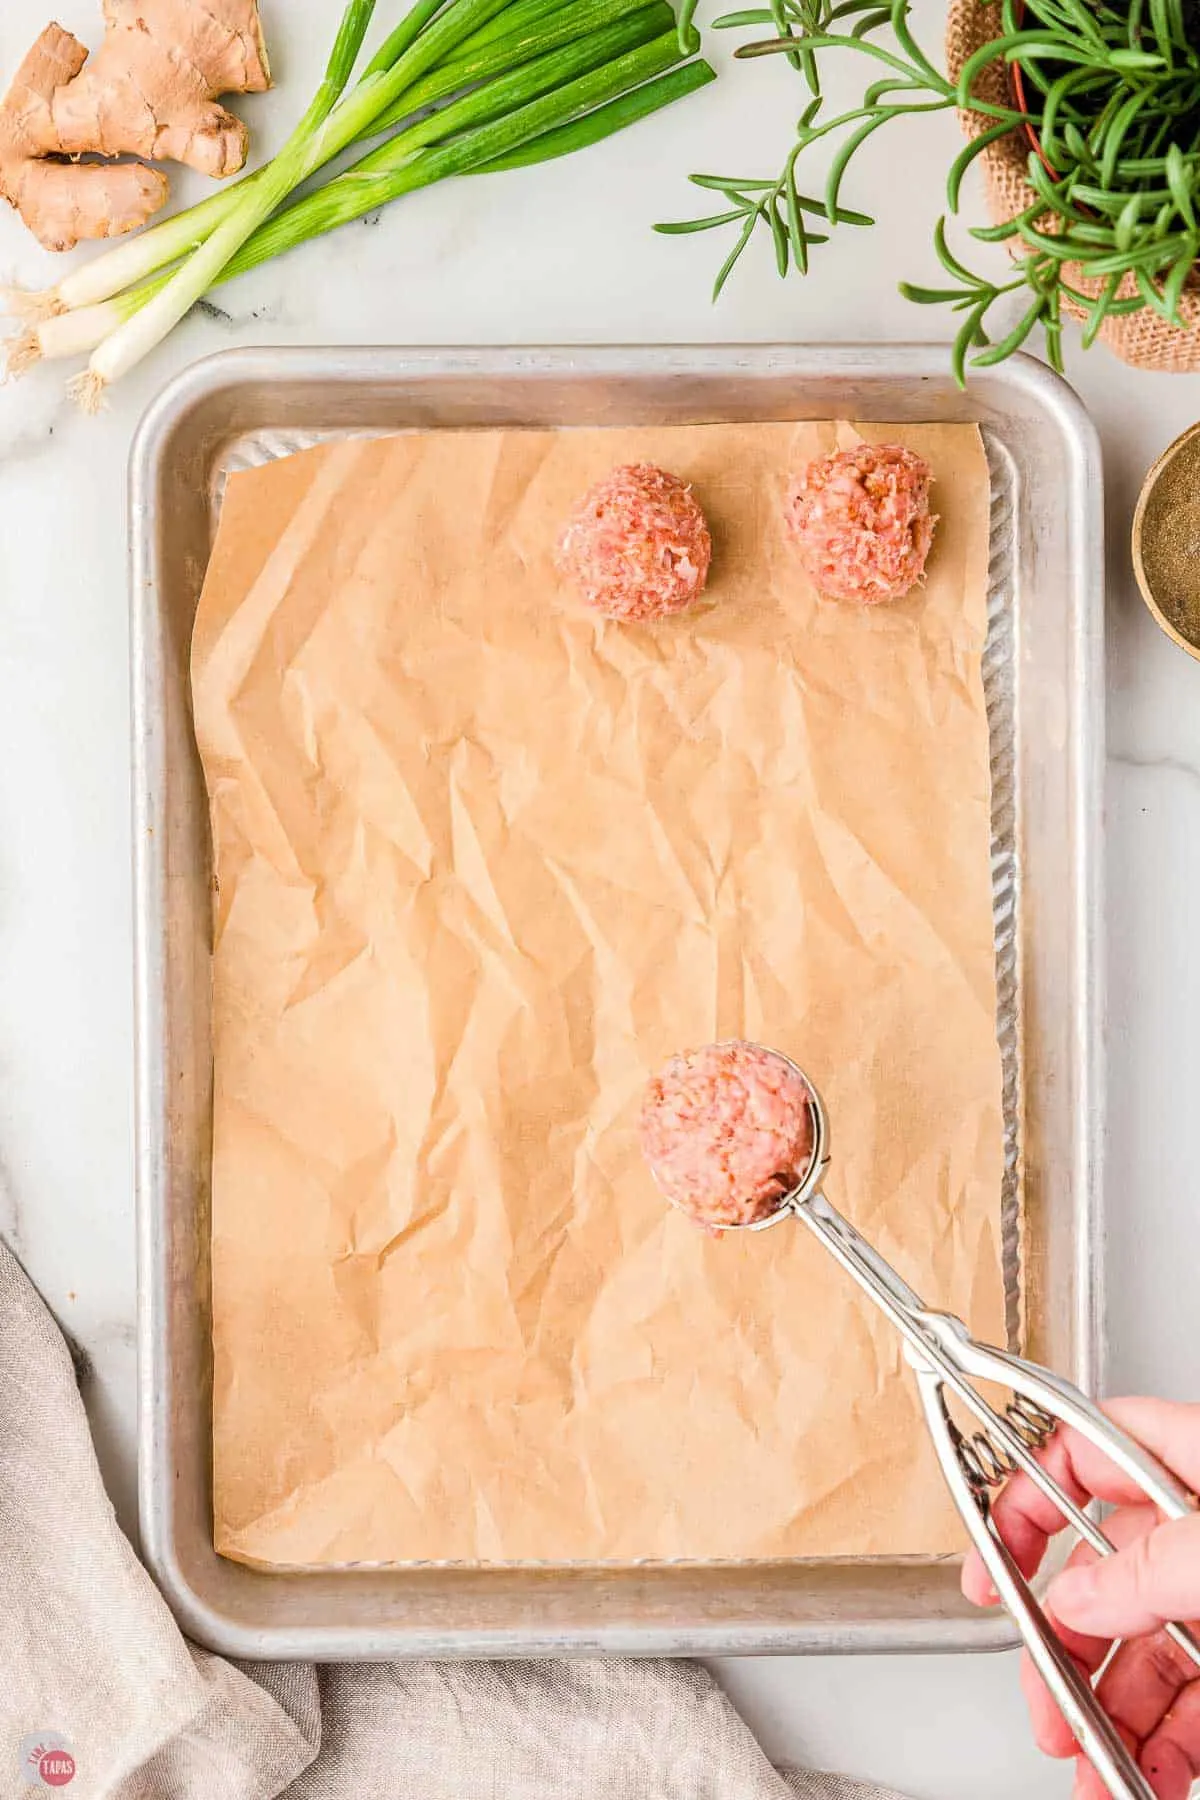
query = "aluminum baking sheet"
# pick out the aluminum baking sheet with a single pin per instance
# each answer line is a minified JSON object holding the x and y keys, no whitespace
{"x":1043,"y":672}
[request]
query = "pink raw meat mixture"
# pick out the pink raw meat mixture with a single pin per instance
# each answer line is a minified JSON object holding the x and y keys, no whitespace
{"x":727,"y":1131}
{"x":637,"y":546}
{"x":861,"y":522}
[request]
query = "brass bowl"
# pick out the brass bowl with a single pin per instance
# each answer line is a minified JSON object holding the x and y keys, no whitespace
{"x":1166,"y":541}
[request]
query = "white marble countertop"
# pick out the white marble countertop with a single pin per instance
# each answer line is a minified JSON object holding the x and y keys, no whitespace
{"x":558,"y":255}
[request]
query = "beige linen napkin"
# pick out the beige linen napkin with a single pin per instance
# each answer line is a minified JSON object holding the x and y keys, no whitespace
{"x":102,"y":1699}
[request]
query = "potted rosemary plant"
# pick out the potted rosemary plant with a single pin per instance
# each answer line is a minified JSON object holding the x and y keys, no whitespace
{"x":1085,"y":115}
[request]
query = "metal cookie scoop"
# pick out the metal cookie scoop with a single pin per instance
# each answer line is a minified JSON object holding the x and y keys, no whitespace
{"x":946,"y":1360}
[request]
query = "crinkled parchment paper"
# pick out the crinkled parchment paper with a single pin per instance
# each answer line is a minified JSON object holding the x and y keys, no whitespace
{"x":483,"y":862}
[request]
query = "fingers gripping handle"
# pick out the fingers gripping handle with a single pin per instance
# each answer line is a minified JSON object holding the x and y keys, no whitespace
{"x":1058,"y":1399}
{"x":1093,"y":1729}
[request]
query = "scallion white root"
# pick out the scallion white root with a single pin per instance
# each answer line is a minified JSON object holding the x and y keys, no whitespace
{"x":87,"y":391}
{"x":150,"y":250}
{"x":66,"y":334}
{"x":30,"y":303}
{"x":21,"y":354}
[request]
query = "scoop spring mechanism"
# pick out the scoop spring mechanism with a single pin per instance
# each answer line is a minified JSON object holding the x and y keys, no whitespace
{"x":947,"y":1363}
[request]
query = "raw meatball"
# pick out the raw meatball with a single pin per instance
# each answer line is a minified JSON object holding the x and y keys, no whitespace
{"x":727,"y":1131}
{"x":637,"y":546}
{"x":861,"y":521}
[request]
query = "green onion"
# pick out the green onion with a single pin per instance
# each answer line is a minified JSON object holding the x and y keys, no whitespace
{"x":568,"y":24}
{"x":469,"y":58}
{"x":603,"y":121}
{"x":501,"y":97}
{"x":131,"y":341}
{"x":321,"y":134}
{"x":423,"y":38}
{"x":389,"y":172}
{"x":75,"y":333}
{"x":557,"y":104}
{"x":403,"y":37}
{"x":518,"y":18}
{"x":553,"y":27}
{"x":140,"y":256}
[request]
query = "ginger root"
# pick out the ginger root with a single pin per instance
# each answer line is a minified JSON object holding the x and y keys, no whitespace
{"x":149,"y":91}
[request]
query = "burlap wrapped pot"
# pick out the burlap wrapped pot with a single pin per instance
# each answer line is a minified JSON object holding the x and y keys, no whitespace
{"x":1142,"y":338}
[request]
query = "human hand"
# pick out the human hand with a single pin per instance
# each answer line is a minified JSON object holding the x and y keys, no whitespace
{"x":1151,"y":1689}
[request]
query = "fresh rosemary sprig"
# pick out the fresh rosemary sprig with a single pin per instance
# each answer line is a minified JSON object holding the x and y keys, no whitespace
{"x":779,"y":205}
{"x":1112,"y":91}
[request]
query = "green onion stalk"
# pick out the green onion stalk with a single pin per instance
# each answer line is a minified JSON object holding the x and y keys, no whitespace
{"x":135,"y":258}
{"x":511,"y":36}
{"x":526,"y":34}
{"x":492,"y":84}
{"x":324,"y":130}
{"x":130,"y":342}
{"x":583,"y":95}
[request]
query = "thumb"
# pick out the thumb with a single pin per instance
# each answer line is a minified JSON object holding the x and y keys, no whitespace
{"x":1138,"y":1588}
